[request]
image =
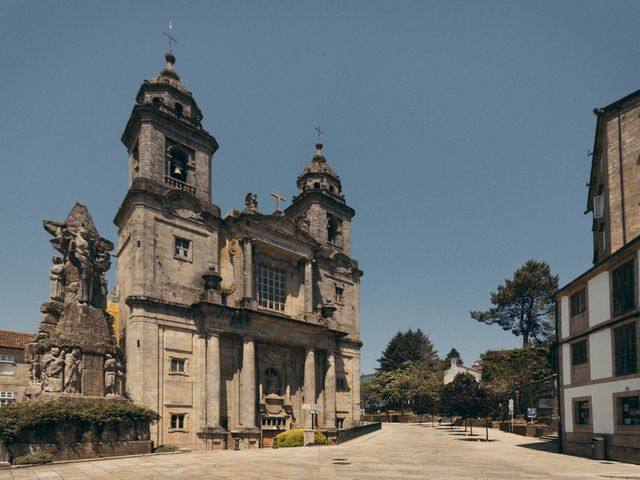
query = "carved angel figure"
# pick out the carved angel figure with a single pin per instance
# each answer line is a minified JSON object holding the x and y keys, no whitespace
{"x":110,"y":367}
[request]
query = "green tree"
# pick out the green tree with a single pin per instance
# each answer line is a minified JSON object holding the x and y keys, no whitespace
{"x":410,"y":346}
{"x":503,"y":371}
{"x":453,"y":354}
{"x":466,"y":398}
{"x":524,"y":304}
{"x":415,"y":386}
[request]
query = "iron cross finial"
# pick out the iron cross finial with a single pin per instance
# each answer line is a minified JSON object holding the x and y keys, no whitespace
{"x":170,"y":34}
{"x":320,"y":132}
{"x":279,"y":197}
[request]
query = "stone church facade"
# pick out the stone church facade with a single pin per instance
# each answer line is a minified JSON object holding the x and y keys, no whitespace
{"x":234,"y":328}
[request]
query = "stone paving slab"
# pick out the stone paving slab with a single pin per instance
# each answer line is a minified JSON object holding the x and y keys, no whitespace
{"x":396,"y":452}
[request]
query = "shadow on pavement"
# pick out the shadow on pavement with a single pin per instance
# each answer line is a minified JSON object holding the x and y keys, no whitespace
{"x":476,"y":440}
{"x":551,"y":447}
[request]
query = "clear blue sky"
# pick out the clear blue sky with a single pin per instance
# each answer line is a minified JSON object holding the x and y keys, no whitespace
{"x":459,"y":129}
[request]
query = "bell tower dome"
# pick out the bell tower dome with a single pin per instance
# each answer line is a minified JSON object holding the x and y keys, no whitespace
{"x":320,"y":206}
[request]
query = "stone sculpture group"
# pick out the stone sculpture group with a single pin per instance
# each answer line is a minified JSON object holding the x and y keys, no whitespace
{"x":74,"y":351}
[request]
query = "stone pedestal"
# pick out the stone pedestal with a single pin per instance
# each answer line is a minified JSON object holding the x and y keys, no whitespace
{"x":309,"y":437}
{"x":92,"y":375}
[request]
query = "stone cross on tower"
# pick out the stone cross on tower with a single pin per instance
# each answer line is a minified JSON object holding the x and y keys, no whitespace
{"x":171,"y":37}
{"x":320,"y":132}
{"x":279,"y":197}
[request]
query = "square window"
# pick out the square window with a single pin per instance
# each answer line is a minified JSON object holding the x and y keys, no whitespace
{"x":582,"y":412}
{"x":630,"y":407}
{"x":579,"y":353}
{"x":182,"y":248}
{"x":178,"y":365}
{"x":623,"y":288}
{"x":7,"y":398}
{"x":177,"y":421}
{"x":271,"y":287}
{"x":626,"y":351}
{"x":339,"y":296}
{"x":579,"y":302}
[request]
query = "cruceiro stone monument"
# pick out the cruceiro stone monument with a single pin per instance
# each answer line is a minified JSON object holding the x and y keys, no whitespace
{"x":74,"y":353}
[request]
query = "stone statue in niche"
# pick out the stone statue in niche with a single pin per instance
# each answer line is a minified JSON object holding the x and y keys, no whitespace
{"x":272,"y":382}
{"x":56,"y":275}
{"x":72,"y":371}
{"x":110,"y":373}
{"x":251,"y":203}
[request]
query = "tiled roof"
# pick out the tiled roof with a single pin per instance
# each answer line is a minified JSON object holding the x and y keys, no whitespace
{"x":11,"y":339}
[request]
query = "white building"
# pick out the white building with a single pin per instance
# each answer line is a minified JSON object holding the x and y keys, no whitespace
{"x":457,"y":368}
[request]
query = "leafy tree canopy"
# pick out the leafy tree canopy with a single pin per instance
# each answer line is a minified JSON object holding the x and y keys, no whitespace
{"x":506,"y":370}
{"x":410,"y":346}
{"x":414,"y":386}
{"x":466,"y":398}
{"x":524,"y":304}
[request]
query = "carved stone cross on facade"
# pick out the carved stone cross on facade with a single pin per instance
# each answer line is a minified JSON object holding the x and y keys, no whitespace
{"x":279,"y":197}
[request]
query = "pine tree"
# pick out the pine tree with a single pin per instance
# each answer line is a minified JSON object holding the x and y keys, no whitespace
{"x":524,"y":304}
{"x":409,"y":346}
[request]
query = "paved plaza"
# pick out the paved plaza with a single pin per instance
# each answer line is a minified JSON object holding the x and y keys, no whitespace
{"x":396,"y":452}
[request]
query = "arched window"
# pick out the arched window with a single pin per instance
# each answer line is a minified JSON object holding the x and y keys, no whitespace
{"x":316,"y":185}
{"x":178,"y":109}
{"x":333,"y":230}
{"x":178,"y":159}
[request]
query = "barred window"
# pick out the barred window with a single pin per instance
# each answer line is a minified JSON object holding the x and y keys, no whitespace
{"x":579,"y":353}
{"x":7,"y":398}
{"x":626,"y":351}
{"x":579,"y":302}
{"x":271,"y":287}
{"x":630,"y":407}
{"x":582,"y":413}
{"x":623,"y":288}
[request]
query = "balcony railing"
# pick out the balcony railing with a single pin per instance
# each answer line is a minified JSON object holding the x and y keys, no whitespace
{"x":174,"y":182}
{"x":334,"y":245}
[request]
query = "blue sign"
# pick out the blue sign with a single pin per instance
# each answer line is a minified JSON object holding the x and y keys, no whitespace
{"x":532,"y":413}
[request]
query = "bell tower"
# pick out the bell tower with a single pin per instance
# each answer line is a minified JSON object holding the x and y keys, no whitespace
{"x":320,"y":206}
{"x":167,"y":225}
{"x":165,"y":139}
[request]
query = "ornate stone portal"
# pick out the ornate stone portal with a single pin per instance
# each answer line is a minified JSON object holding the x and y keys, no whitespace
{"x":74,"y":352}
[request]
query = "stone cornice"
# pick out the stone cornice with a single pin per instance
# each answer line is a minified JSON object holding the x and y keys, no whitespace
{"x":154,"y":195}
{"x":147,"y":113}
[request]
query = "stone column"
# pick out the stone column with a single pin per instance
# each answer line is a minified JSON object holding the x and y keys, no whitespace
{"x":247,"y":250}
{"x":308,"y":286}
{"x":213,"y":380}
{"x":330,"y":392}
{"x":202,"y":378}
{"x":309,"y":386}
{"x":248,"y":385}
